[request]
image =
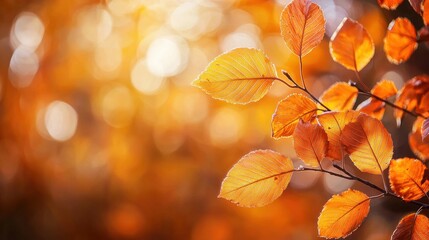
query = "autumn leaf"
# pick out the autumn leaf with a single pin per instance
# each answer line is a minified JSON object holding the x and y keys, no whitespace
{"x":400,"y":41}
{"x":407,"y":178}
{"x":333,"y":123}
{"x":373,"y":107}
{"x":419,"y":147}
{"x":288,"y":113}
{"x":425,"y":130}
{"x":257,"y":179}
{"x":417,"y":5}
{"x":339,"y":97}
{"x":240,"y":76}
{"x":426,"y":12}
{"x":423,"y":106}
{"x":351,"y":45}
{"x":302,"y":26}
{"x":389,"y":4}
{"x":410,"y":95}
{"x":343,"y":214}
{"x":310,"y":143}
{"x":412,"y":227}
{"x":368,"y":144}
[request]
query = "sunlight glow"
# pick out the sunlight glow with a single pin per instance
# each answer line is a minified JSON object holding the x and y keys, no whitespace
{"x":167,"y":56}
{"x":60,"y":121}
{"x":27,"y":31}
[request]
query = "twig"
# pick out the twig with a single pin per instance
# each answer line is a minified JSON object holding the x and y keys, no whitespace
{"x":385,"y":101}
{"x":304,"y":89}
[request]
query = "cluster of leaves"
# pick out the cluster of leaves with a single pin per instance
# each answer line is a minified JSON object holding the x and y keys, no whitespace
{"x":328,"y":127}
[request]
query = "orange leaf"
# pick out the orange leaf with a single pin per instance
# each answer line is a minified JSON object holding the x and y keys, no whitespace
{"x":257,"y":179}
{"x":339,"y":97}
{"x":426,"y":12}
{"x":373,"y":107}
{"x":288,"y":113}
{"x":343,"y":214}
{"x":410,"y":95}
{"x":302,"y":26}
{"x":368,"y":143}
{"x":333,"y":123}
{"x":310,"y":143}
{"x":407,"y":178}
{"x":240,"y":76}
{"x":419,"y":147}
{"x":400,"y":41}
{"x":351,"y":45}
{"x":412,"y":227}
{"x":425,"y":130}
{"x":389,"y":4}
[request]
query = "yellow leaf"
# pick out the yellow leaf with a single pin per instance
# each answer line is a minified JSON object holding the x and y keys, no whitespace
{"x":343,"y":214}
{"x":310,"y":143}
{"x":240,"y":76}
{"x":333,"y":123}
{"x":257,"y":179}
{"x":373,"y":107}
{"x":390,"y":4}
{"x":368,"y":144}
{"x":302,"y":26}
{"x":412,"y":227}
{"x":289,"y":111}
{"x":400,"y":41}
{"x":339,"y":97}
{"x":351,"y":45}
{"x":407,"y":178}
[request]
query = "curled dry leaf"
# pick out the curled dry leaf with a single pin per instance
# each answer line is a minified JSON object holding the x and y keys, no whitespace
{"x":373,"y":107}
{"x":417,"y":5}
{"x":339,"y":97}
{"x":368,"y":144}
{"x":257,"y":179}
{"x":288,"y":113}
{"x":410,"y":95}
{"x":310,"y":143}
{"x":302,"y":26}
{"x":412,"y":227}
{"x":333,"y":123}
{"x":240,"y":76}
{"x":343,"y":214}
{"x":351,"y":45}
{"x":389,"y":4}
{"x":407,"y":178}
{"x":400,"y":41}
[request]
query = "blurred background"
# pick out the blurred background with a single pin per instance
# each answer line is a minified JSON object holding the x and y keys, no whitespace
{"x":102,"y":136}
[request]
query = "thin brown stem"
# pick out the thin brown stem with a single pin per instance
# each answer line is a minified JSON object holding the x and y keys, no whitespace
{"x":301,"y":72}
{"x":373,"y":186}
{"x":360,"y":81}
{"x":303,"y":89}
{"x":369,"y":94}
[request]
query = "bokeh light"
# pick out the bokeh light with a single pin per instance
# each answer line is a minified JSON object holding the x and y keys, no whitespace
{"x":60,"y":120}
{"x":104,"y":137}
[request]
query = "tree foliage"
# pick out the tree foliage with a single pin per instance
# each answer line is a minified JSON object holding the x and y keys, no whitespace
{"x":330,"y":127}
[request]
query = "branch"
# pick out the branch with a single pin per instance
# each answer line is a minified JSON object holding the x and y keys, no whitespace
{"x":373,"y":186}
{"x":304,"y":89}
{"x":385,"y":101}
